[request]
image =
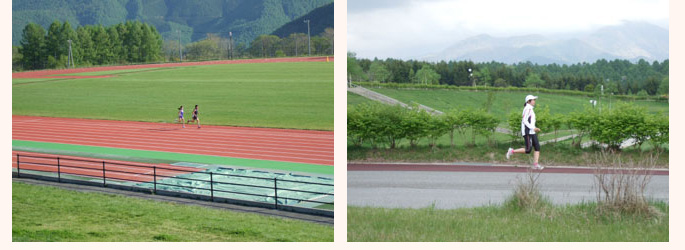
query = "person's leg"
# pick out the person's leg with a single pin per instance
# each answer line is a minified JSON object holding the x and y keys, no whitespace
{"x":520,"y":151}
{"x":525,"y":150}
{"x":198,"y":122}
{"x":536,"y":155}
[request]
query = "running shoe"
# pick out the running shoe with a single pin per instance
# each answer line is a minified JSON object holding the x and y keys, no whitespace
{"x":538,"y":167}
{"x":510,"y":151}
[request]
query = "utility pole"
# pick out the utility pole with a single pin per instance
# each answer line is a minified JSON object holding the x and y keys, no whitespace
{"x":230,"y":45}
{"x":70,"y":58}
{"x":309,"y":37}
{"x":180,"y":55}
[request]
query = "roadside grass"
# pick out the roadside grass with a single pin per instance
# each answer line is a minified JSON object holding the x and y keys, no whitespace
{"x":576,"y":223}
{"x":51,"y":214}
{"x":560,"y":153}
{"x":277,"y":95}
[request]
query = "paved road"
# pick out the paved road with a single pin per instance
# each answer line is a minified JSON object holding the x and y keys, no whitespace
{"x":416,"y":189}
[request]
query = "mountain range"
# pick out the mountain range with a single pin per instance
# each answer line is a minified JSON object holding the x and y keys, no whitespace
{"x":191,"y":20}
{"x":630,"y":40}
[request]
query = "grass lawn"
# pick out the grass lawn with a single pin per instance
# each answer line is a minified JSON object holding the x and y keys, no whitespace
{"x":499,"y":223}
{"x":51,"y":214}
{"x":115,"y":72}
{"x":502,"y":102}
{"x":279,"y":95}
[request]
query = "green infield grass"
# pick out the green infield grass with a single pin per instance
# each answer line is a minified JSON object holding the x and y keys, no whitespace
{"x":502,"y":103}
{"x":278,"y":95}
{"x":43,"y":214}
{"x":577,"y":223}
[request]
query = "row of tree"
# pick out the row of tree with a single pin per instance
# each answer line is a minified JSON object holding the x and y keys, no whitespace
{"x":130,"y":42}
{"x":215,"y":47}
{"x":137,"y":42}
{"x":616,"y":76}
{"x":377,"y":125}
{"x":382,"y":125}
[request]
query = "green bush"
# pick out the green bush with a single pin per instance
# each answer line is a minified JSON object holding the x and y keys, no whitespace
{"x":623,"y":122}
{"x":455,"y":120}
{"x":415,"y":123}
{"x":582,"y":122}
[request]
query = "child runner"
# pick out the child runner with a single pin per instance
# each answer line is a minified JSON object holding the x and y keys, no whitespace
{"x":195,"y":119}
{"x":528,"y":130}
{"x":180,"y":116}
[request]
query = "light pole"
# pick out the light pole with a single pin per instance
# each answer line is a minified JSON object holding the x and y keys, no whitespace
{"x":180,"y":55}
{"x":471,"y":78}
{"x":230,"y":45}
{"x":309,"y":38}
{"x":70,"y":59}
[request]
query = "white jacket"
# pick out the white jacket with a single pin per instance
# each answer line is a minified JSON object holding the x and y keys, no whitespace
{"x":528,"y":120}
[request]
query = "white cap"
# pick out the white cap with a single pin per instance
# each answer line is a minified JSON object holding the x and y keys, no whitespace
{"x":530,"y":97}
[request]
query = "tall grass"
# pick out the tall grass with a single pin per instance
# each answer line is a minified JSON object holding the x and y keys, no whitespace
{"x":621,"y":183}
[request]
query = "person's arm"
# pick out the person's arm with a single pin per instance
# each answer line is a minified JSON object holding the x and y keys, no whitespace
{"x":526,"y":115}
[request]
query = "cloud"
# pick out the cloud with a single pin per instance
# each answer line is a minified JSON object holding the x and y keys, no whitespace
{"x":406,"y":28}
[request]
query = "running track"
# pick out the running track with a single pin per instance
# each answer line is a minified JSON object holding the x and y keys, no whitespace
{"x":92,"y":167}
{"x":285,"y":145}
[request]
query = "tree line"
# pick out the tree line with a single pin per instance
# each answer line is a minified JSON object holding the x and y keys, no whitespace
{"x":216,"y":47}
{"x":620,"y":77}
{"x":136,"y":42}
{"x":130,"y":42}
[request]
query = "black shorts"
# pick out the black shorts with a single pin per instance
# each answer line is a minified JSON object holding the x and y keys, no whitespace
{"x":532,"y":142}
{"x":194,"y":117}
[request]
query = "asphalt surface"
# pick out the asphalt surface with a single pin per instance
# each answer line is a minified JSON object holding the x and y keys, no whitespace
{"x":457,"y":189}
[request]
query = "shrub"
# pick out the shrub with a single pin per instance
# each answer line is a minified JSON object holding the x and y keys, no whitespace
{"x":581,"y":122}
{"x":437,"y":126}
{"x":455,"y":121}
{"x":527,"y":195}
{"x":621,"y":184}
{"x":415,"y":123}
{"x":616,"y":125}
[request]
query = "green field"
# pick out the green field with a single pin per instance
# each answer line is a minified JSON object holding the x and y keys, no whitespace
{"x":502,"y":103}
{"x":578,"y":223}
{"x":51,"y":214}
{"x":278,"y":95}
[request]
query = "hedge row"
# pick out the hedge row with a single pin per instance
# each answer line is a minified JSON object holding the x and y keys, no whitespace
{"x":380,"y":124}
{"x":384,"y":125}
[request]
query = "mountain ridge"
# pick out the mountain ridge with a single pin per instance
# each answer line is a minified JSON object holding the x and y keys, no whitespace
{"x":629,"y":40}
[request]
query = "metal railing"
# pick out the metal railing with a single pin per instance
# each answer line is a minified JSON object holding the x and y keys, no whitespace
{"x":104,"y":173}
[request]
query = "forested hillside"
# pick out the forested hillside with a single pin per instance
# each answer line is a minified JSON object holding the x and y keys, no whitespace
{"x":620,"y":77}
{"x":191,"y":20}
{"x":320,"y":19}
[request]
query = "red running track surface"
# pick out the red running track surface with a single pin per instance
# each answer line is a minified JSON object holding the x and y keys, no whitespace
{"x":92,"y":167}
{"x":287,"y":145}
{"x":51,"y":73}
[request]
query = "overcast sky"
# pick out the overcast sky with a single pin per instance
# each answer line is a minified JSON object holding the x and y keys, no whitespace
{"x":412,"y":28}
